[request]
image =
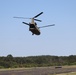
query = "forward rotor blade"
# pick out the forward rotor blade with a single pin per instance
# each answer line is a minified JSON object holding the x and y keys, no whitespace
{"x":47,"y":26}
{"x":37,"y":20}
{"x":22,"y":17}
{"x":25,"y":23}
{"x":38,"y":15}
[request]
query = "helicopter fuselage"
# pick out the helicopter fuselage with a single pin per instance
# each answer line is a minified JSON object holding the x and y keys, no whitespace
{"x":34,"y":29}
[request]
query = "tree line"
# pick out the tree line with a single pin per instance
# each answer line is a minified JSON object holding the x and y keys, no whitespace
{"x":36,"y":61}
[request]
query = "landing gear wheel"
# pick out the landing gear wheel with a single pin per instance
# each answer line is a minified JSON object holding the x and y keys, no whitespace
{"x":32,"y":34}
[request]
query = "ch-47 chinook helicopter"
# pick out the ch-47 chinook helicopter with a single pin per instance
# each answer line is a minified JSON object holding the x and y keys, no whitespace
{"x":33,"y":25}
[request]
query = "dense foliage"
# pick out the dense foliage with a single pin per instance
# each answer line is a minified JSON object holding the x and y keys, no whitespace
{"x":36,"y":61}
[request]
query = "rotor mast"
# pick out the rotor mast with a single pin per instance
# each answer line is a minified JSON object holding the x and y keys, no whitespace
{"x":32,"y":20}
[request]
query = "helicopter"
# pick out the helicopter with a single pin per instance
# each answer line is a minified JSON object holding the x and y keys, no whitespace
{"x":33,"y":25}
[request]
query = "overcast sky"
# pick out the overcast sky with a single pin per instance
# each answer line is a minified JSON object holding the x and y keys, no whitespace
{"x":16,"y":39}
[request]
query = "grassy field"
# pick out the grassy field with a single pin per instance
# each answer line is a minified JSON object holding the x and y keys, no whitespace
{"x":73,"y":73}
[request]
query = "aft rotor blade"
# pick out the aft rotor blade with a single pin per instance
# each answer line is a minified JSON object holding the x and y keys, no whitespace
{"x":38,"y":15}
{"x":22,"y":17}
{"x":25,"y":23}
{"x":37,"y":20}
{"x":47,"y":26}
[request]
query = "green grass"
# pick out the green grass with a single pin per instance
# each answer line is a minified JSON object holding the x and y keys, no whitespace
{"x":73,"y":73}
